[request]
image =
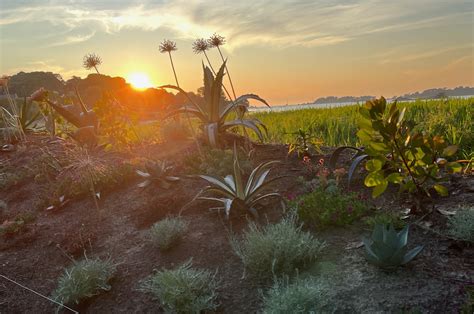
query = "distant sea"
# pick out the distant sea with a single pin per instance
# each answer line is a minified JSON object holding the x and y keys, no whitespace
{"x":328,"y":105}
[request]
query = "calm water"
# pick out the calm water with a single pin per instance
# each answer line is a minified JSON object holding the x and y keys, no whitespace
{"x":319,"y":106}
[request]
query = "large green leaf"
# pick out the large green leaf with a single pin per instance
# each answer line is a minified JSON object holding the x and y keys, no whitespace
{"x":239,"y":186}
{"x":354,"y":165}
{"x":216,"y":92}
{"x":190,"y":110}
{"x":412,"y":254}
{"x":246,"y":123}
{"x":217,"y":182}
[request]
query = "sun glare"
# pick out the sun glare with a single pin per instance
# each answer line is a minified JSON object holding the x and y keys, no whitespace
{"x":139,"y":80}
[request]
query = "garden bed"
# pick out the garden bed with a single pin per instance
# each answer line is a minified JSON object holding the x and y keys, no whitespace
{"x":437,"y":281}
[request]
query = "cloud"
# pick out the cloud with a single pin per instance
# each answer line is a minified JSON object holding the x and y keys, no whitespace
{"x":281,"y":23}
{"x":73,"y":39}
{"x":400,"y":55}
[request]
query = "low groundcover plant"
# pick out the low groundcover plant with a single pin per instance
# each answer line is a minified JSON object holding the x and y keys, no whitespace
{"x":184,"y":289}
{"x":83,"y":280}
{"x":276,"y":249}
{"x":168,"y":232}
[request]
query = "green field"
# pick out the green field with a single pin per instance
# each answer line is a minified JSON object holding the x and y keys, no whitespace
{"x":452,"y":118}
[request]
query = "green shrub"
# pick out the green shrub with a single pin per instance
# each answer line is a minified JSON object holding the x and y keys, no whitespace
{"x":385,"y":218}
{"x":461,"y":225}
{"x":83,"y":280}
{"x":168,"y":232}
{"x":301,"y":296}
{"x":320,"y":208}
{"x":183,"y":289}
{"x":276,"y":249}
{"x":215,"y":162}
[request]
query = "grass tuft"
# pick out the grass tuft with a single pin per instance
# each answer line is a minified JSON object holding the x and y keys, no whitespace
{"x":83,"y":280}
{"x":167,"y":232}
{"x":276,"y":249}
{"x":461,"y":225}
{"x":183,"y":289}
{"x":301,"y":296}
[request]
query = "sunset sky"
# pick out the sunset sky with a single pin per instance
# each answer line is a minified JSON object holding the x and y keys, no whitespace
{"x":285,"y":51}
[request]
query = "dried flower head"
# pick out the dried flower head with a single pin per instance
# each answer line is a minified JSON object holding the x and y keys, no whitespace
{"x":167,"y":46}
{"x":39,"y":95}
{"x":200,"y":45}
{"x":91,"y":60}
{"x":216,"y":40}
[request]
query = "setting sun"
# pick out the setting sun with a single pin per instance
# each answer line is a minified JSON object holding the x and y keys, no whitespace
{"x":139,"y":80}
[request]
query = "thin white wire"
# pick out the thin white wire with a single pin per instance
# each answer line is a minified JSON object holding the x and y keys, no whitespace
{"x":37,"y":293}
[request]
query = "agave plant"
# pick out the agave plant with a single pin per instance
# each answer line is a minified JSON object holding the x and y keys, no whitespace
{"x":387,"y":248}
{"x":26,"y":118}
{"x":86,"y":121}
{"x":215,"y":110}
{"x":238,"y":195}
{"x":157,"y":172}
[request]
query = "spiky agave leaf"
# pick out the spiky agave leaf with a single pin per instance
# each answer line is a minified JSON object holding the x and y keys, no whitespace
{"x":387,"y":248}
{"x":237,"y":193}
{"x":246,"y":123}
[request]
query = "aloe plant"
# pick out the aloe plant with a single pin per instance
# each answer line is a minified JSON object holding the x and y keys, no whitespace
{"x":26,"y":118}
{"x":387,"y":248}
{"x":238,"y":195}
{"x":215,"y":110}
{"x":86,"y":121}
{"x":157,"y":172}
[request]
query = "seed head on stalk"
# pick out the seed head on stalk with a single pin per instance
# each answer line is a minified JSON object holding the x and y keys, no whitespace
{"x":200,"y":46}
{"x":91,"y":60}
{"x":216,"y":41}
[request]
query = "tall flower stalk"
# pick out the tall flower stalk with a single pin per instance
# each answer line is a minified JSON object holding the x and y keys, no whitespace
{"x":201,"y":46}
{"x":167,"y":46}
{"x":92,"y":61}
{"x":217,"y":41}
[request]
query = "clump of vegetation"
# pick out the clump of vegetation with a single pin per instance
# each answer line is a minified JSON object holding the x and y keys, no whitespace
{"x":388,"y":249}
{"x":303,"y":141}
{"x":213,"y":161}
{"x":397,"y":154}
{"x":167,"y":232}
{"x":183,"y":289}
{"x":236,"y":194}
{"x":86,"y":121}
{"x":276,"y":249}
{"x":157,"y":173}
{"x":385,"y":218}
{"x":336,"y":126}
{"x":213,"y":113}
{"x":84,"y":279}
{"x":301,"y":296}
{"x":16,"y":225}
{"x":461,"y":225}
{"x":334,"y":207}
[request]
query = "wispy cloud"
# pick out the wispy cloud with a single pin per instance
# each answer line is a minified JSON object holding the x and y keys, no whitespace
{"x":73,"y":39}
{"x":401,"y":55}
{"x":280,"y":23}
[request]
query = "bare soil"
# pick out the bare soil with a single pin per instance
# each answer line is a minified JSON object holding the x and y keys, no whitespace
{"x":435,"y":282}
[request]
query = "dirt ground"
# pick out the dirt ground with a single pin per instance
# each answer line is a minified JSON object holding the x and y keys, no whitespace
{"x":435,"y":282}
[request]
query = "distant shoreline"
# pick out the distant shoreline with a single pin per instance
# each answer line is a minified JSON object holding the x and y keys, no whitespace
{"x":334,"y":104}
